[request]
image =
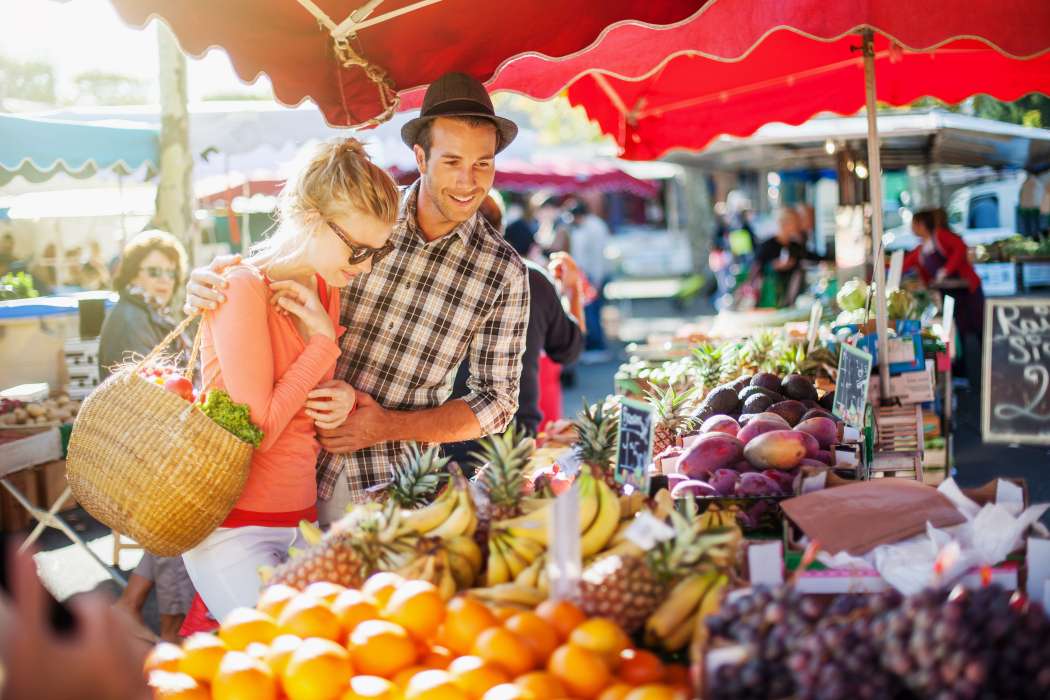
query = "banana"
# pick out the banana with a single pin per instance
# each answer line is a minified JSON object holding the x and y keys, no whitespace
{"x":469,"y":550}
{"x":535,"y":526}
{"x":623,"y":548}
{"x":543,"y":583}
{"x":515,"y":562}
{"x":531,"y":504}
{"x":629,"y":505}
{"x":446,"y":582}
{"x":605,"y":523}
{"x":462,"y":570}
{"x":680,"y":635}
{"x":589,"y":504}
{"x":458,"y":521}
{"x":683,"y":599}
{"x":710,"y":519}
{"x":664,"y":504}
{"x":530,"y":575}
{"x":310,"y":532}
{"x":529,"y":550}
{"x":425,"y":519}
{"x":497,"y":572}
{"x":472,"y":526}
{"x":510,"y":594}
{"x":710,"y":605}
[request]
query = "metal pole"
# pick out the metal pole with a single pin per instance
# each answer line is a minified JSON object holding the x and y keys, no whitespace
{"x":875,"y":190}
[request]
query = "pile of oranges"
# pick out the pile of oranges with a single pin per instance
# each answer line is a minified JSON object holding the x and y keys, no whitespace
{"x":398,"y":640}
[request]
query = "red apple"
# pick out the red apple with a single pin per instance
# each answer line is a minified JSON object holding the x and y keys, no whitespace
{"x":181,"y":386}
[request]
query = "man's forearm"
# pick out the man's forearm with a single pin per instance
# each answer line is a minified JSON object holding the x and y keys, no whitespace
{"x":453,"y":421}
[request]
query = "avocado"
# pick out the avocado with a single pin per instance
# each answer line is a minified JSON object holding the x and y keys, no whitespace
{"x":756,"y":403}
{"x":750,"y":391}
{"x":767,"y":380}
{"x":799,"y":388}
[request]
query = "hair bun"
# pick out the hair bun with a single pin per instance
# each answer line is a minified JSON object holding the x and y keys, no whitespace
{"x":354,"y":147}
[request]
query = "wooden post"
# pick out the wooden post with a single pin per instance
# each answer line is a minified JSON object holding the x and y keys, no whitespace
{"x":175,"y":186}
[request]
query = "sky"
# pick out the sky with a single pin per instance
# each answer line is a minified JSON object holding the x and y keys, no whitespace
{"x":81,"y":35}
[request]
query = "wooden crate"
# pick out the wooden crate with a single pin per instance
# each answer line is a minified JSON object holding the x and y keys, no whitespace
{"x":13,"y":517}
{"x":898,"y":440}
{"x":51,"y":483}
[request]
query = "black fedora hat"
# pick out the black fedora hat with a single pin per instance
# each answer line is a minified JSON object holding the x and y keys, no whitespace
{"x":458,"y":95}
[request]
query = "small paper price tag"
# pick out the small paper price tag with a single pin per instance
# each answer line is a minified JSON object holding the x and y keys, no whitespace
{"x":564,"y":561}
{"x":569,"y":462}
{"x":646,"y":531}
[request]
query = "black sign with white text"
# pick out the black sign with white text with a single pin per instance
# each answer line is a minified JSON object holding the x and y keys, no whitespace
{"x":1015,"y":397}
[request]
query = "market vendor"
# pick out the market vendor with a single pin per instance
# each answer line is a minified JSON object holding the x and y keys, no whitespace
{"x":941,"y":261}
{"x":778,"y":261}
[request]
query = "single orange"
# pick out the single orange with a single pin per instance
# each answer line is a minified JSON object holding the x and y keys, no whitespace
{"x":381,"y":586}
{"x":655,"y":691}
{"x":381,"y":648}
{"x":371,"y":688}
{"x":402,"y":677}
{"x":616,"y":691}
{"x":201,"y":656}
{"x":505,"y":612}
{"x":638,"y":667}
{"x":306,"y":616}
{"x":163,"y":657}
{"x":465,"y":619}
{"x":434,"y":684}
{"x":166,"y":685}
{"x":602,"y":636}
{"x":324,"y":590}
{"x":280,"y":651}
{"x":475,"y":675}
{"x":257,"y":650}
{"x":353,"y":607}
{"x":435,"y":656}
{"x":583,"y":672}
{"x":246,"y":625}
{"x":418,"y":607}
{"x":318,"y":670}
{"x":505,"y":649}
{"x":542,"y":684}
{"x":537,"y":633}
{"x":508,"y":691}
{"x":241,"y":677}
{"x":562,"y":615}
{"x":273,"y":599}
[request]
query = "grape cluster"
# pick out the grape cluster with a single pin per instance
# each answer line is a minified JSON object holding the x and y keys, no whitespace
{"x":956,"y":645}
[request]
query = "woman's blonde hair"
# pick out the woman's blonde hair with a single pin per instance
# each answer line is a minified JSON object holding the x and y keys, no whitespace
{"x":339,"y":176}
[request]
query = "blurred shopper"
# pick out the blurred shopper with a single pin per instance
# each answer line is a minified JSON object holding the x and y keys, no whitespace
{"x":552,"y":330}
{"x":94,"y":272}
{"x":151,"y":267}
{"x":8,"y":261}
{"x":942,"y":262}
{"x":589,"y":237}
{"x":777,"y":266}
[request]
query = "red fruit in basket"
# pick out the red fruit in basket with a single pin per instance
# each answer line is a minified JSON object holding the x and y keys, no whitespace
{"x":180,"y":386}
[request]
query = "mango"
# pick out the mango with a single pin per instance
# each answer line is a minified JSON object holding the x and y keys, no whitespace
{"x":713,"y":451}
{"x":720,"y":424}
{"x":777,"y":449}
{"x":758,"y":426}
{"x":823,"y":429}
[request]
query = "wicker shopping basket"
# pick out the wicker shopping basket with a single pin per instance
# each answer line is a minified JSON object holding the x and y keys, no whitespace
{"x":150,"y":465}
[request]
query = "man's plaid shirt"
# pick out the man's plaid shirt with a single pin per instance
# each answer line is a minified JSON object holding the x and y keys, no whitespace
{"x":412,"y":321}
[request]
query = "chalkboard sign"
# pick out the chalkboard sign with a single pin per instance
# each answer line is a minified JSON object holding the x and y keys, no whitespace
{"x":1015,"y":397}
{"x":851,"y":386}
{"x":634,"y":445}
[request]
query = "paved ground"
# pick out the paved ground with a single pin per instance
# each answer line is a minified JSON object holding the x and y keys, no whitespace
{"x":68,"y":571}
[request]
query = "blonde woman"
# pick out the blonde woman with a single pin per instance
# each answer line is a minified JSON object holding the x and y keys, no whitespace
{"x":273,"y":345}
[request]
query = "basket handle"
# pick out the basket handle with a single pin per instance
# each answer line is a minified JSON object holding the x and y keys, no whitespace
{"x":175,"y":333}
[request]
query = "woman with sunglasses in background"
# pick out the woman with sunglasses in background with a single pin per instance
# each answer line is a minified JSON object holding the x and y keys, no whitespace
{"x":151,"y":266}
{"x":273,"y":345}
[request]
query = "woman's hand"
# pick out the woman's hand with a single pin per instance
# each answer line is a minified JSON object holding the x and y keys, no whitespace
{"x":302,"y":302}
{"x":203,"y":291}
{"x":565,"y":269}
{"x":330,"y":403}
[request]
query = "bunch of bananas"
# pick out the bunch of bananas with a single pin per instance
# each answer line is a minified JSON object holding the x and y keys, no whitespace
{"x":693,"y":598}
{"x":450,"y":515}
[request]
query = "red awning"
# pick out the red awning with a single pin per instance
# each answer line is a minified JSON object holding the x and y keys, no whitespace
{"x":409,"y":43}
{"x":738,"y":64}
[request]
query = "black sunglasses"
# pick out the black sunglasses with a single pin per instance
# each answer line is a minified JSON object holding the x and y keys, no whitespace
{"x":157,"y":273}
{"x":360,"y":253}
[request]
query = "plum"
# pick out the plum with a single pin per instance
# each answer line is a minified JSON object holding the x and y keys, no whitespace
{"x":724,"y":481}
{"x":756,"y":484}
{"x":784,"y":479}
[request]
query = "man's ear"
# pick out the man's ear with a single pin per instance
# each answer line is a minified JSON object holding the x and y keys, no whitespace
{"x":421,"y":159}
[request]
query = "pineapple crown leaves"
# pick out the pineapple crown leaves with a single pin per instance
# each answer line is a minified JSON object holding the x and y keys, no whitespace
{"x":414,"y":482}
{"x":373,"y":531}
{"x":596,"y":426}
{"x":792,"y":359}
{"x":670,"y":406}
{"x":505,"y":458}
{"x":692,"y":547}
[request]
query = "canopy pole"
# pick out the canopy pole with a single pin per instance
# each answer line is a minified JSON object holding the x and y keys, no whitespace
{"x":875,"y":190}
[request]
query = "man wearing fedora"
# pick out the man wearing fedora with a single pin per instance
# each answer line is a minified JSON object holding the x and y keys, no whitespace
{"x":452,"y":289}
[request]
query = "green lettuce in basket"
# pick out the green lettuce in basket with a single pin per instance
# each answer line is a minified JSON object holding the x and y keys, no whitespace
{"x":234,"y":417}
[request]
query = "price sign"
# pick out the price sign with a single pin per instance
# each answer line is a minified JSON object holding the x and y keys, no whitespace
{"x":634,"y":445}
{"x":1015,"y":398}
{"x":851,"y":386}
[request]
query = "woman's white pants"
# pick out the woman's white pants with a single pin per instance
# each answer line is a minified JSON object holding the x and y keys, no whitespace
{"x":224,"y":567}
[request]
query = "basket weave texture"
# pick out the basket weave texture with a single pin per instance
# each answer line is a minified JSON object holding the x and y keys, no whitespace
{"x":150,"y":465}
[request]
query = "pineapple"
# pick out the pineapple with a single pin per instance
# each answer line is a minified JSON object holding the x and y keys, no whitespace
{"x":791,"y":359}
{"x":365,"y":540}
{"x":708,"y":360}
{"x":672,"y":410}
{"x":757,"y":352}
{"x":415,"y":483}
{"x":627,"y":588}
{"x":502,"y":479}
{"x":730,"y":366}
{"x":597,"y":426}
